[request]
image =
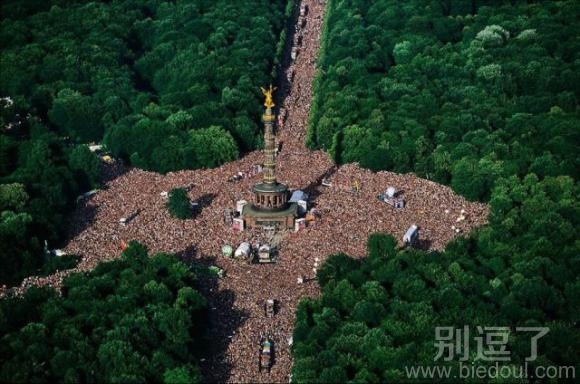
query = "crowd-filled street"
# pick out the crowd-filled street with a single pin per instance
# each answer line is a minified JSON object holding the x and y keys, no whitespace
{"x":346,"y":218}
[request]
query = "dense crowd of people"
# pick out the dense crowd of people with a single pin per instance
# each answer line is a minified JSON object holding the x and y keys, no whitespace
{"x":348,"y":217}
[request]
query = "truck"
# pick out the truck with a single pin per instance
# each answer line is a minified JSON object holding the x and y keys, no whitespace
{"x":390,"y":196}
{"x":265,"y":354}
{"x":269,"y":308}
{"x":411,"y":236}
{"x":294,"y":53}
{"x":237,"y":177}
{"x":265,"y":254}
{"x":87,"y":194}
{"x":125,"y":220}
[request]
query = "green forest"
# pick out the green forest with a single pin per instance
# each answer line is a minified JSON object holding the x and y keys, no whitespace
{"x":378,"y":315}
{"x":136,"y":319}
{"x":482,"y":96}
{"x":459,"y":92}
{"x":164,"y":85}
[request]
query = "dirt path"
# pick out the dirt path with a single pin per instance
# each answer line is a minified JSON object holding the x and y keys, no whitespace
{"x":236,"y":300}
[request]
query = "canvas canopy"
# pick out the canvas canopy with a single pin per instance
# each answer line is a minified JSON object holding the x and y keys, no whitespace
{"x":298,"y":195}
{"x":243,"y":250}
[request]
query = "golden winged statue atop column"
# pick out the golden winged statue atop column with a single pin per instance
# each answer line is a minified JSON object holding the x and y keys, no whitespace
{"x":268,"y":103}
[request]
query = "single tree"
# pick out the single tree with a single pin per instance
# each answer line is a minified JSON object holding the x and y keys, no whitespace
{"x":178,"y":204}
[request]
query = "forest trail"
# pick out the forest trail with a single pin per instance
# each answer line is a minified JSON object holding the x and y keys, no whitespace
{"x":236,"y":301}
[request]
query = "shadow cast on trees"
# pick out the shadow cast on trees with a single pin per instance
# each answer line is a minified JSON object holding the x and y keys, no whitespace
{"x":282,"y":82}
{"x":223,"y":318}
{"x":110,"y":171}
{"x":224,"y":321}
{"x":423,"y":244}
{"x":82,"y":218}
{"x":188,"y":256}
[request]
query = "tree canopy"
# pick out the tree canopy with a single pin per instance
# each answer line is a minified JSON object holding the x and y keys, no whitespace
{"x":165,"y":85}
{"x":462,"y":93}
{"x":39,"y":184}
{"x":479,"y":95}
{"x":134,"y":319}
{"x":178,"y":204}
{"x":146,"y":77}
{"x":378,"y":315}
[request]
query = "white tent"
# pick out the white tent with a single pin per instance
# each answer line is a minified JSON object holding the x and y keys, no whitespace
{"x":411,"y":235}
{"x":243,"y":250}
{"x":240,"y":205}
{"x":391,"y":192}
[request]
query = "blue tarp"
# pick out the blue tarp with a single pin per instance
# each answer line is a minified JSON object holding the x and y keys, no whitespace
{"x":298,"y":195}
